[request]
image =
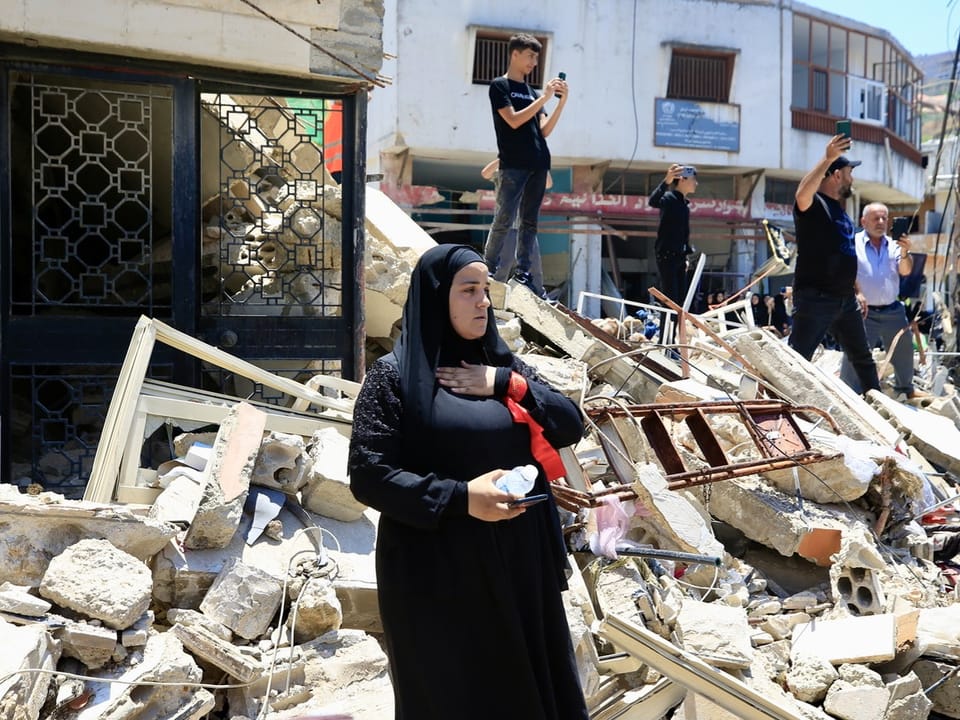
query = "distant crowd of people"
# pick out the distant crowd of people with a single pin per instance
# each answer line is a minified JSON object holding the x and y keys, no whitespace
{"x":769,"y":311}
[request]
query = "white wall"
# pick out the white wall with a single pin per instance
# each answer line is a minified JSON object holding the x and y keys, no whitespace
{"x":222,"y":33}
{"x":603,"y":51}
{"x":606,"y":47}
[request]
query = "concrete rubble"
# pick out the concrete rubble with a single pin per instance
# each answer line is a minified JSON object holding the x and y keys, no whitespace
{"x":789,"y":564}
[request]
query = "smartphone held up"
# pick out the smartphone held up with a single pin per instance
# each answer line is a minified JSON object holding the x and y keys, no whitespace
{"x":901,"y":226}
{"x":562,"y":76}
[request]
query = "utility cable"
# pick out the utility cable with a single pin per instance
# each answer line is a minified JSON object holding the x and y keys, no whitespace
{"x":371,"y":79}
{"x":633,"y":95}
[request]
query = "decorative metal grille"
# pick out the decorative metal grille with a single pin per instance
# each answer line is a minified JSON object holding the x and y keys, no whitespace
{"x":272,"y":234}
{"x":57,"y":417}
{"x":93,"y":194}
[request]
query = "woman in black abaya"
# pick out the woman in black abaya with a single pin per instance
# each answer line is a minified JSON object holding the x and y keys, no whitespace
{"x":469,"y":588}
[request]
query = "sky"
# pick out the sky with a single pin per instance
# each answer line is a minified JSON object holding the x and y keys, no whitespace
{"x":921,"y":26}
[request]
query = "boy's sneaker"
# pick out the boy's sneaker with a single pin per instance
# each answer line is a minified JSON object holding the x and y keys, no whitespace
{"x":526,"y":280}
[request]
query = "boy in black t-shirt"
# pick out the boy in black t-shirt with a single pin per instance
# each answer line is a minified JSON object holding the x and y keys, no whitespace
{"x":522,"y":128}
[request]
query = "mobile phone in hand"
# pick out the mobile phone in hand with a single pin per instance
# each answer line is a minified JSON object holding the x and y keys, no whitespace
{"x":843,"y":128}
{"x":527,"y":501}
{"x":562,"y":76}
{"x":901,"y":226}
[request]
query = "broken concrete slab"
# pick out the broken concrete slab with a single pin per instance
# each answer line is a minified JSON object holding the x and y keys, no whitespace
{"x":316,"y":610}
{"x":638,"y":377}
{"x":936,"y":437}
{"x":858,"y":694}
{"x":92,"y":645}
{"x":38,"y":527}
{"x":356,"y":577}
{"x":908,"y":701}
{"x":23,"y":692}
{"x":716,"y":633}
{"x":158,"y":682}
{"x":327,"y":487}
{"x":794,"y":377}
{"x":872,"y":638}
{"x":677,"y":523}
{"x":281,"y":463}
{"x":778,"y":521}
{"x":831,"y":480}
{"x":192,"y":618}
{"x":809,"y":678}
{"x":181,"y":578}
{"x":615,"y":588}
{"x":340,"y":674}
{"x":179,"y":501}
{"x":18,"y":600}
{"x":243,"y":598}
{"x":216,"y":651}
{"x":564,"y":374}
{"x":349,"y":667}
{"x":77,"y":577}
{"x":941,"y":677}
{"x":227,"y":478}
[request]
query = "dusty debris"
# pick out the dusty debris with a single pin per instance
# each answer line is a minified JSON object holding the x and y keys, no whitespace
{"x":746,"y":536}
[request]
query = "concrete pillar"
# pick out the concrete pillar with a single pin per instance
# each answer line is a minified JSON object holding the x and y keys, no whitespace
{"x":585,"y":264}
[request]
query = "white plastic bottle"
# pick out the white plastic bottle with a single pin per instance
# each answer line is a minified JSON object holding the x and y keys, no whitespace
{"x":518,"y":481}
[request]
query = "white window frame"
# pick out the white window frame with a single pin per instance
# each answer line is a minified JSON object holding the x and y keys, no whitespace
{"x":866,"y":100}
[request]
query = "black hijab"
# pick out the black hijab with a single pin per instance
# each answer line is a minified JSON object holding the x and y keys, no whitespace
{"x":427,"y":337}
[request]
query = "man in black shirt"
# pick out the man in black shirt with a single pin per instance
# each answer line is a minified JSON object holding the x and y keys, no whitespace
{"x":522,"y":129}
{"x":673,"y":232}
{"x":824,"y":289}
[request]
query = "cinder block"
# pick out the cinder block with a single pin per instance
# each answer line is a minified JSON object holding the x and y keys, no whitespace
{"x":860,"y":590}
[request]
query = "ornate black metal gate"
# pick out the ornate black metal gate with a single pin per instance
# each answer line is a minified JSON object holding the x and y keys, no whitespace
{"x":125,"y":194}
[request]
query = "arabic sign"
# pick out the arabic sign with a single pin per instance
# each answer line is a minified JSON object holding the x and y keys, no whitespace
{"x":598,"y":204}
{"x":703,"y":125}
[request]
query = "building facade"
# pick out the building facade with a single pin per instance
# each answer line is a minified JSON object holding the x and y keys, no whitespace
{"x":748,"y":92}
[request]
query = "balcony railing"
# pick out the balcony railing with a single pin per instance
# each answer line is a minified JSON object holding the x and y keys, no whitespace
{"x":861,"y":132}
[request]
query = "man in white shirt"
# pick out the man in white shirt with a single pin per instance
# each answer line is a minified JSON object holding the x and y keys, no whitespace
{"x":880,"y":263}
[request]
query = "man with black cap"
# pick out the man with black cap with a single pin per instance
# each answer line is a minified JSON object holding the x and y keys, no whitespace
{"x":824,"y":290}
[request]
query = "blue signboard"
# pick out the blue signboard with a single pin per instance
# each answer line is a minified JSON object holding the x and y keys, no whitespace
{"x":689,"y":124}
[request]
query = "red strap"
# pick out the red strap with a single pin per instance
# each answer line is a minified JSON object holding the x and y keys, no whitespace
{"x":540,"y":447}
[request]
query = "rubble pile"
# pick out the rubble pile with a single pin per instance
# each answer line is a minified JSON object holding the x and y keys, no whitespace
{"x":747,"y":538}
{"x":191,"y":605}
{"x":819,"y":584}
